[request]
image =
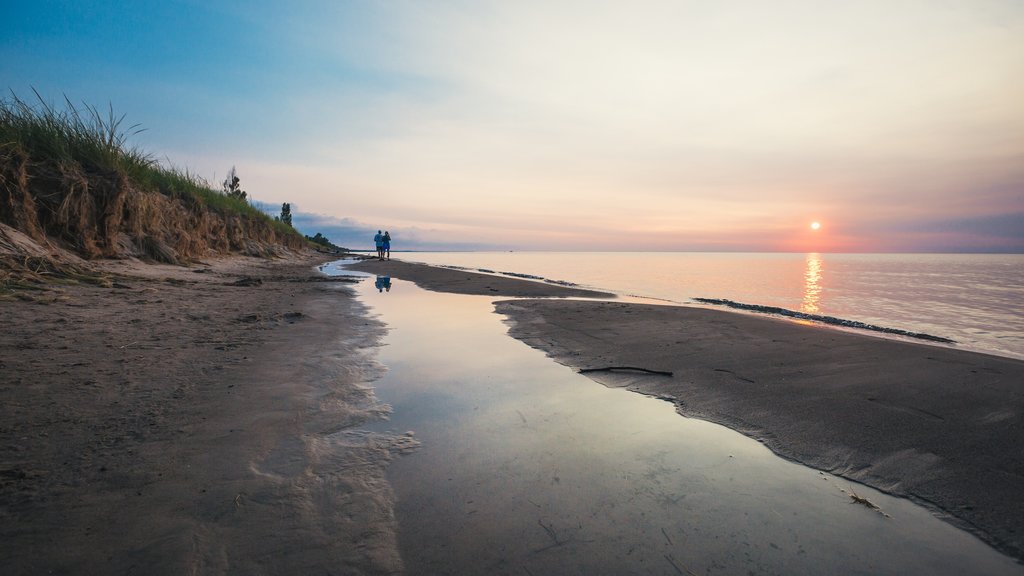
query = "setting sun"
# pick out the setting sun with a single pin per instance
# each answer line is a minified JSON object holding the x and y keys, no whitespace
{"x":815,"y":225}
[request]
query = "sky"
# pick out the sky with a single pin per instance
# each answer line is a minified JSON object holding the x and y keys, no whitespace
{"x":569,"y":125}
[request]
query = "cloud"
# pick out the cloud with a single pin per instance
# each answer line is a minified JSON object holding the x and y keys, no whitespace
{"x":357,"y":235}
{"x":1000,"y":233}
{"x":991,"y":233}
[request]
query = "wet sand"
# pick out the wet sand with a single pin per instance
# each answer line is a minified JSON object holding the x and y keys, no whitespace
{"x":941,"y":426}
{"x":200,"y":420}
{"x":526,"y":467}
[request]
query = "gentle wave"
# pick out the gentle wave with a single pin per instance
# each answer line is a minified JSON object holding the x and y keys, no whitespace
{"x":823,"y":319}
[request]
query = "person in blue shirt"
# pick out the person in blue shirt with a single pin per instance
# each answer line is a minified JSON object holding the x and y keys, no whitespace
{"x":387,"y":244}
{"x":378,"y":239}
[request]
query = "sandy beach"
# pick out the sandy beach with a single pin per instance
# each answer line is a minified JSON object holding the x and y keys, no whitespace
{"x":207,"y":419}
{"x":193,"y":420}
{"x":934,"y":424}
{"x":201,"y":419}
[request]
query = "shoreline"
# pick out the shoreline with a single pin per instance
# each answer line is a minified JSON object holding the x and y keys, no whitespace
{"x":459,"y":281}
{"x":194,"y":420}
{"x":940,"y":426}
{"x":824,"y":320}
{"x":852,"y":294}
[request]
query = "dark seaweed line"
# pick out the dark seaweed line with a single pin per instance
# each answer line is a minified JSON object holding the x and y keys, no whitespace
{"x":512,"y":274}
{"x":823,"y":319}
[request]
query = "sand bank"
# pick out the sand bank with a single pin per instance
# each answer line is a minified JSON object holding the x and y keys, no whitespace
{"x":465,"y":282}
{"x":193,"y":420}
{"x":941,"y":426}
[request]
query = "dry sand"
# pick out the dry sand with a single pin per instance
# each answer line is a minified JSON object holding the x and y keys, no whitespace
{"x":183,"y":422}
{"x":942,"y":426}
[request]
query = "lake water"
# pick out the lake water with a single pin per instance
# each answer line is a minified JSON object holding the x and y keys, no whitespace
{"x":974,"y":299}
{"x":528,"y":468}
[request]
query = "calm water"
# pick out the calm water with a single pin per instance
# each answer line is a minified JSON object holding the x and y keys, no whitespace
{"x":529,"y":468}
{"x":974,"y":299}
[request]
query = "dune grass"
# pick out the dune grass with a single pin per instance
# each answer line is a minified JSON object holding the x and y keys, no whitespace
{"x":84,"y":136}
{"x":98,"y":142}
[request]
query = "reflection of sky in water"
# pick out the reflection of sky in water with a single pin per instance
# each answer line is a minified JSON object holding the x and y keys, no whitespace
{"x":528,"y":468}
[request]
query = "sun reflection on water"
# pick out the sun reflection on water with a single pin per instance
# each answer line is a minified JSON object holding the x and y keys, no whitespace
{"x":812,"y":284}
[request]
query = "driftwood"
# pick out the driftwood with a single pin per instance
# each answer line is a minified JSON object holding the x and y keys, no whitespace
{"x":625,"y":368}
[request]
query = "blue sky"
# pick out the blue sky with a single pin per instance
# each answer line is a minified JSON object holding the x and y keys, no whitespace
{"x":570,"y":125}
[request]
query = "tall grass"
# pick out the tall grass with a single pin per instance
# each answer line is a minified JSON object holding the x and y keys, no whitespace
{"x":84,"y":135}
{"x":97,"y":142}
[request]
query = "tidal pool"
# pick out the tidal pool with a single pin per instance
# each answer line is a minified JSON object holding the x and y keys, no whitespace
{"x":527,"y":467}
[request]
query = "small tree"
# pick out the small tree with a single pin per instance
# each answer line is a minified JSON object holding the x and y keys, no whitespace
{"x":286,"y":213}
{"x":323,"y":241}
{"x":231,"y":186}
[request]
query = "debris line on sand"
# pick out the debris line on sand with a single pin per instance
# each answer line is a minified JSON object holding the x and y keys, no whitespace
{"x":625,"y":369}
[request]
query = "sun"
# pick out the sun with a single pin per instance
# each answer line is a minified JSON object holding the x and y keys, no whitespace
{"x":815,"y":225}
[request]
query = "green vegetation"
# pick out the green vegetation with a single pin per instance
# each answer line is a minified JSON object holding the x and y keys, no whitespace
{"x":232,"y":186}
{"x":69,"y":174}
{"x":322,"y":240}
{"x":97,"y":142}
{"x":84,"y":136}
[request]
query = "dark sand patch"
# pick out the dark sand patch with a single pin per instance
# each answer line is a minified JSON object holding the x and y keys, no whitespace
{"x":939,"y":425}
{"x":193,"y":420}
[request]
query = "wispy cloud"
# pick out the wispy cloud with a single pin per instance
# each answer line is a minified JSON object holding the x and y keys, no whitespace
{"x":357,"y":235}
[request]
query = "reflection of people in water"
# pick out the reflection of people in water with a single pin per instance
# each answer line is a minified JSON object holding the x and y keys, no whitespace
{"x":383,"y":283}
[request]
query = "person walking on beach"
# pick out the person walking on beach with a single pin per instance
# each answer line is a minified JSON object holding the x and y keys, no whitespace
{"x":387,"y":244}
{"x":378,"y":239}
